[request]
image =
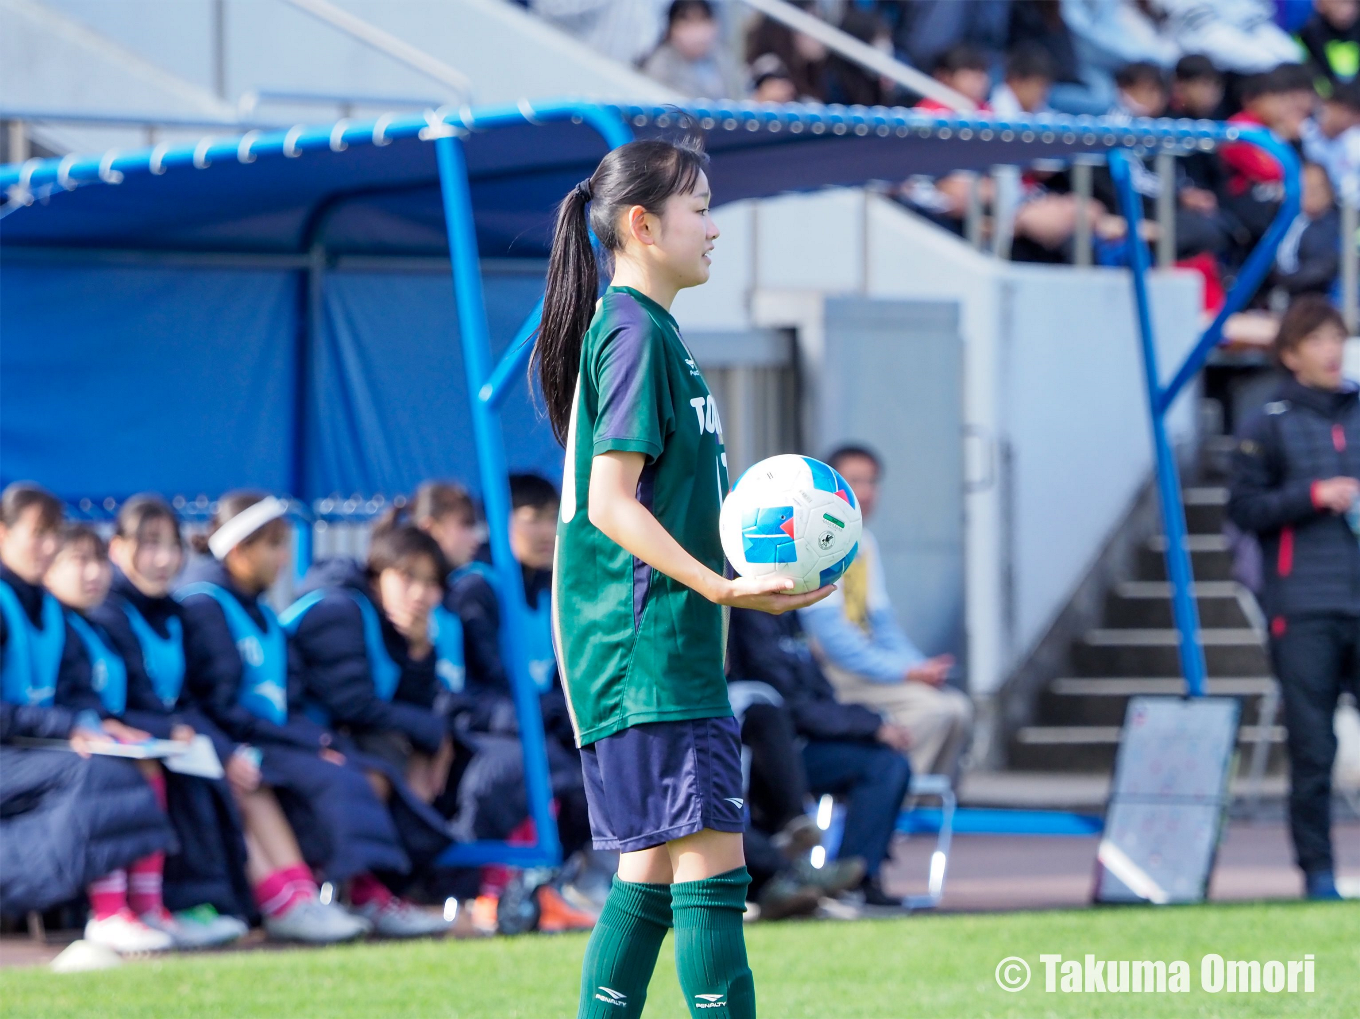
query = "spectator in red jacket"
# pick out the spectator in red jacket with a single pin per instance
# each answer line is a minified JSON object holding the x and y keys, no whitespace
{"x":1255,"y":180}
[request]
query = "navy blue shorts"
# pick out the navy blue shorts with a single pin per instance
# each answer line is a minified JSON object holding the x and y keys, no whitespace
{"x":651,"y":783}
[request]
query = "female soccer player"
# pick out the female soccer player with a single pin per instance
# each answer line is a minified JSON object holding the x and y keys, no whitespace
{"x":64,"y":821}
{"x":79,"y":578}
{"x":639,"y":584}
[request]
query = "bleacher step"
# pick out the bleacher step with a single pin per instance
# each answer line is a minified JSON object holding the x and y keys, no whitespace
{"x":1093,"y":747}
{"x":1104,"y":701}
{"x":1141,"y":604}
{"x":1156,"y":652}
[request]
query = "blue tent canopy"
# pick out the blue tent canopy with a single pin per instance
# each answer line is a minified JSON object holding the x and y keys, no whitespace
{"x":373,"y":187}
{"x":256,"y":309}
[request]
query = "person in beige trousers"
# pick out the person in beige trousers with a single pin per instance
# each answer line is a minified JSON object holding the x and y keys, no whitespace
{"x":867,"y":657}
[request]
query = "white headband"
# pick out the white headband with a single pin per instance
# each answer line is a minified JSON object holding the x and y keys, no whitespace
{"x":244,"y":524}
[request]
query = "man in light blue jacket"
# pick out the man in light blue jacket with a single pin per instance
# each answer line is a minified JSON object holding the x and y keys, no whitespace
{"x":868,"y":658}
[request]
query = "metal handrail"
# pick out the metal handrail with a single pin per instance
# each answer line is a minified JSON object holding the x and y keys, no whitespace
{"x":249,"y":101}
{"x":862,"y":54}
{"x":385,"y":42}
{"x":1160,"y":397}
{"x":130,"y":118}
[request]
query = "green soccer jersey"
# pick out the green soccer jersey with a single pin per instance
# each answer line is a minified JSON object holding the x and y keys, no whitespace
{"x":635,"y":645}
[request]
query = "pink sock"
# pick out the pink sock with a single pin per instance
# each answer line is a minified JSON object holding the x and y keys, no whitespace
{"x":365,"y":888}
{"x":108,"y":895}
{"x":144,"y":884}
{"x":302,"y":879}
{"x":280,"y":891}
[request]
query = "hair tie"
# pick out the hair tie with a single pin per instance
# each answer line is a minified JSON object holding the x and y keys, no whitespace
{"x":583,"y":189}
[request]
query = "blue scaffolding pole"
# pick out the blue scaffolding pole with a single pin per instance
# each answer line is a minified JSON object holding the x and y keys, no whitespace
{"x":487,"y":386}
{"x":1160,"y":398}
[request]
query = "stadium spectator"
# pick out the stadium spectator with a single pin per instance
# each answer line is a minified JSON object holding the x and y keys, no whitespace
{"x":1332,"y":138}
{"x":944,"y":199}
{"x":623,"y":30}
{"x":1237,"y":35}
{"x":70,"y":822}
{"x":1331,"y":38}
{"x":868,"y":658}
{"x":804,"y":57}
{"x":1076,"y":88}
{"x":1140,"y":90}
{"x":689,"y":59}
{"x":851,"y":750}
{"x":963,"y":68}
{"x":1296,"y":485}
{"x":925,"y":29}
{"x":1108,"y":35}
{"x":1309,"y":257}
{"x":236,"y":661}
{"x":1254,"y":186}
{"x":1027,"y":84}
{"x":1143,"y":92}
{"x":1197,"y":94}
{"x":770,"y":81}
{"x":1196,"y":88}
{"x":846,"y":81}
{"x":212,"y":851}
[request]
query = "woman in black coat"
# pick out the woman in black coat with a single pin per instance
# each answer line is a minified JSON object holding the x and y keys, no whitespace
{"x":68,"y":821}
{"x":352,"y":814}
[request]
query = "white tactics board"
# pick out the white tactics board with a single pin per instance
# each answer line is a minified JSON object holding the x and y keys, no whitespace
{"x":1167,"y":802}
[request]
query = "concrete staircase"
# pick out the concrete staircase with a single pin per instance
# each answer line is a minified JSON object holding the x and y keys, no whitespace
{"x":1135,"y":651}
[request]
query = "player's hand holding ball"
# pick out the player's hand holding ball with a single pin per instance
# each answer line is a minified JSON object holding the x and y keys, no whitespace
{"x":790,"y":527}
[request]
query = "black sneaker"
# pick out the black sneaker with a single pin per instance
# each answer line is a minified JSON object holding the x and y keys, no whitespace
{"x":834,"y":876}
{"x":874,"y":895}
{"x":784,"y":896}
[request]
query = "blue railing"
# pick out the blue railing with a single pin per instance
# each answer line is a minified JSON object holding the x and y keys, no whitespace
{"x":1179,"y":571}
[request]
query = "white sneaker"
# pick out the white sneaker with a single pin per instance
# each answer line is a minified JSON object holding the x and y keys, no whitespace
{"x":397,"y":918}
{"x":312,"y":922}
{"x":125,"y":933}
{"x":200,"y":927}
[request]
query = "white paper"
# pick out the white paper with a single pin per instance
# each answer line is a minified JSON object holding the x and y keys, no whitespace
{"x":200,"y":760}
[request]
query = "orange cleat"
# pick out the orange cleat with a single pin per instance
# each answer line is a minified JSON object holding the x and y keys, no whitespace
{"x":484,"y":910}
{"x":556,"y":914}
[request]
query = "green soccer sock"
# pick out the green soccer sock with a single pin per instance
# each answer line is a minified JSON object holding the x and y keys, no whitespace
{"x":710,"y":948}
{"x":622,"y":950}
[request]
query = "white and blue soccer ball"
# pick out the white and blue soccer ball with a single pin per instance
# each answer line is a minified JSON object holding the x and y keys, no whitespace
{"x":791,"y":516}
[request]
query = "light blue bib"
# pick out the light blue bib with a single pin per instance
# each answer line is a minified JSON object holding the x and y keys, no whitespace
{"x":542,"y":656}
{"x":32,"y":655}
{"x":162,"y":657}
{"x":264,"y":653}
{"x":108,"y":671}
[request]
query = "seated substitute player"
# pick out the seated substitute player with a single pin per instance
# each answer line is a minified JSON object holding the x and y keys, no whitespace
{"x":638,"y":582}
{"x":850,"y":750}
{"x":868,"y":658}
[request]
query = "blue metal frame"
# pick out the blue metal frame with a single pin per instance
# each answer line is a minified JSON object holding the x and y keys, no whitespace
{"x":1160,"y":398}
{"x":487,"y":386}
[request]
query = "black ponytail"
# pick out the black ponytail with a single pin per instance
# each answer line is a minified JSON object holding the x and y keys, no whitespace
{"x":643,"y":173}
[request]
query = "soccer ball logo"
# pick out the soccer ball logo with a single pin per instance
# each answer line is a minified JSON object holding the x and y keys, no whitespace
{"x":792,"y":516}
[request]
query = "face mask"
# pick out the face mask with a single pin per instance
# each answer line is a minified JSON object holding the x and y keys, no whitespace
{"x":694,"y":39}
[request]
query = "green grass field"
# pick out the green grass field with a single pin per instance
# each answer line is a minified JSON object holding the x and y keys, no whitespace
{"x":936,"y":966}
